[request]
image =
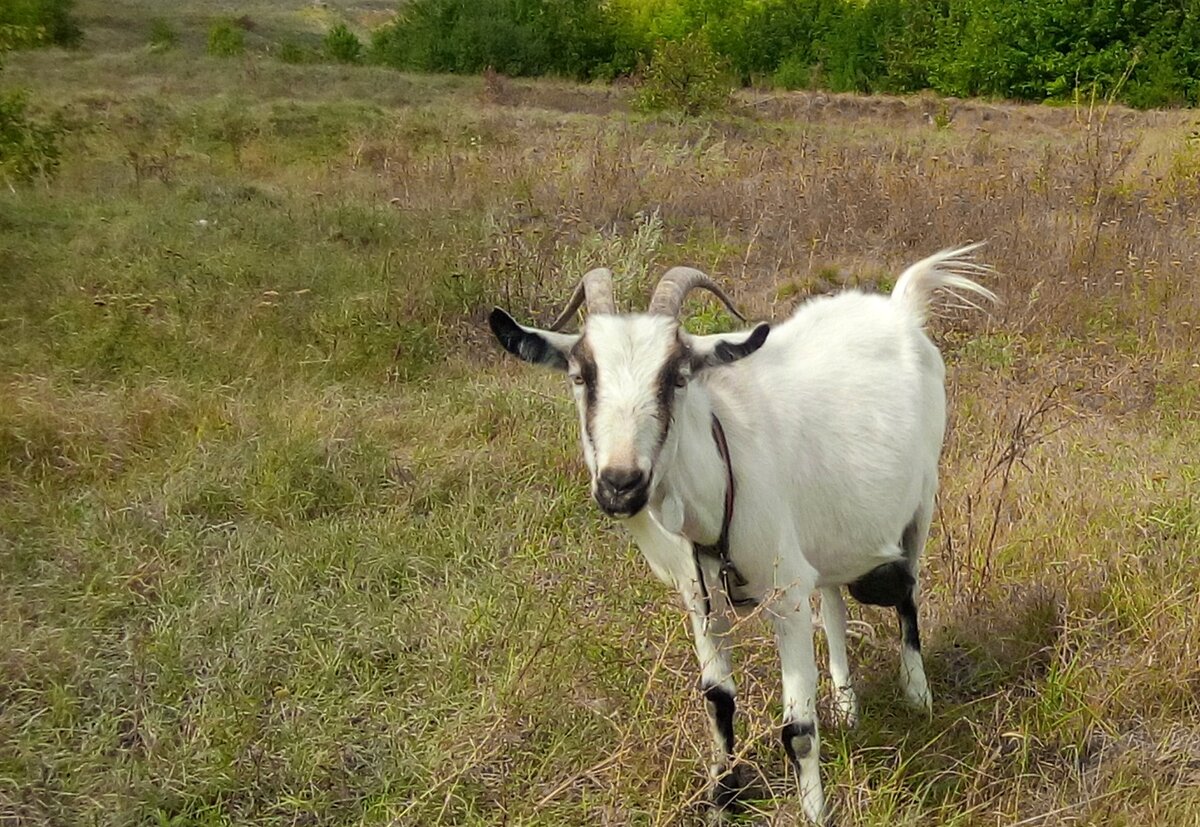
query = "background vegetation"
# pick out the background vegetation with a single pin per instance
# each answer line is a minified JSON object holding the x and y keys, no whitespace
{"x":51,"y":18}
{"x":285,"y":539}
{"x":1146,"y":52}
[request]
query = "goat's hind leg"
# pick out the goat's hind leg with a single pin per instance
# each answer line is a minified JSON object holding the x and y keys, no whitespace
{"x":833,"y":615}
{"x":913,"y":682}
{"x":895,"y":584}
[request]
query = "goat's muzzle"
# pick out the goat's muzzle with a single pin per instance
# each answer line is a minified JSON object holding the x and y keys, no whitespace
{"x":622,"y":492}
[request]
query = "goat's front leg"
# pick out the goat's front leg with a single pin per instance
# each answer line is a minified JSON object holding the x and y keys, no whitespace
{"x":833,"y":615}
{"x":794,"y":632}
{"x":710,"y":627}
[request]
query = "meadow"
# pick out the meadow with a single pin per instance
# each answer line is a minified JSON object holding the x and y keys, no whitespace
{"x":286,"y":540}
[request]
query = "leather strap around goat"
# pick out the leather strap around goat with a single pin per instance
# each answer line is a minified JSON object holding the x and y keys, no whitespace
{"x":731,"y":578}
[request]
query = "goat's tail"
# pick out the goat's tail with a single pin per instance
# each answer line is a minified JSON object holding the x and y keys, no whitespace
{"x":948,"y":270}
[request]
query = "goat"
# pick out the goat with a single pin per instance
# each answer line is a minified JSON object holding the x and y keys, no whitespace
{"x":827,"y":426}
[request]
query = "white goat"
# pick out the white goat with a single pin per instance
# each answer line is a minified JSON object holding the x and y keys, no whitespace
{"x":829,"y":435}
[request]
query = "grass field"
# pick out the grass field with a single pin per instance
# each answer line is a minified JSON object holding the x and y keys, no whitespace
{"x":284,"y":540}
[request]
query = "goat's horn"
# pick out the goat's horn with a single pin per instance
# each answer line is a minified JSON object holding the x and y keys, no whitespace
{"x":674,"y":286}
{"x":596,"y":287}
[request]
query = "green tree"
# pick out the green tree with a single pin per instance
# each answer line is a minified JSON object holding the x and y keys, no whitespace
{"x":514,"y":37}
{"x":686,"y":75}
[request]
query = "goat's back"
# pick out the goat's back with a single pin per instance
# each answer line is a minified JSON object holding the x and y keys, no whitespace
{"x":840,"y":419}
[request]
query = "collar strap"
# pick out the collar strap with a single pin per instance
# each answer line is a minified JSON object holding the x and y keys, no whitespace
{"x":731,"y":578}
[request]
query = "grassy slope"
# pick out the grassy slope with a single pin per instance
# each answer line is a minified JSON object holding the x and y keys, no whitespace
{"x":283,"y":540}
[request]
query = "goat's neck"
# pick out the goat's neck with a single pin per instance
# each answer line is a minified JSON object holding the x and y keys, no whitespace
{"x":696,"y":475}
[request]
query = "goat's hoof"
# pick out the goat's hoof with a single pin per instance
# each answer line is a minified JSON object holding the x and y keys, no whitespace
{"x":730,"y":785}
{"x":921,"y":701}
{"x":917,"y":694}
{"x":913,"y":682}
{"x":845,"y":708}
{"x":815,"y":810}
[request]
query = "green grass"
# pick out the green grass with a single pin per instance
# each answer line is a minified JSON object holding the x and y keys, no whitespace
{"x":285,"y":540}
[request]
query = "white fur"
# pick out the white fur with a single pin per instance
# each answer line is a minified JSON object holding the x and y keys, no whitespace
{"x":834,"y":429}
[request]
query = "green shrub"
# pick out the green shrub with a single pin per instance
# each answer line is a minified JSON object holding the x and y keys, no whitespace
{"x":235,"y":126}
{"x":226,"y":39}
{"x":52,"y":17}
{"x":687,"y":76}
{"x":28,"y":148}
{"x":342,"y":45}
{"x":15,"y":37}
{"x":162,"y":36}
{"x":794,"y":73}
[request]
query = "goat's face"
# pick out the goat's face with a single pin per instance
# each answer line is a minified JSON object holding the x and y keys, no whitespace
{"x":627,"y":373}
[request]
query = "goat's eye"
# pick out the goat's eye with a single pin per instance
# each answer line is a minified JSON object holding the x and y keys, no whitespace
{"x":681,"y":381}
{"x":577,"y":379}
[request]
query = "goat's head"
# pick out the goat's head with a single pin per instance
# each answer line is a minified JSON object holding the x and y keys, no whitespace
{"x":628,"y":372}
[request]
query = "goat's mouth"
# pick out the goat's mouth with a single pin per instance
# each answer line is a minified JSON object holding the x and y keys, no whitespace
{"x":622,"y":505}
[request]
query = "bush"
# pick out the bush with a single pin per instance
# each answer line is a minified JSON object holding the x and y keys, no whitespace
{"x":685,"y":75}
{"x":794,"y":73}
{"x":342,"y":45}
{"x":225,"y":39}
{"x":28,"y":149}
{"x":52,"y":17}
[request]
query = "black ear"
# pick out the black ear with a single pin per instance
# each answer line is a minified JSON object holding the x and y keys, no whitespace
{"x":723,"y":348}
{"x":726,"y":352}
{"x":540,"y":347}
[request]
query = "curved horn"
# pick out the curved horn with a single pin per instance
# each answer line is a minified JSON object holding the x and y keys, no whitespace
{"x":674,"y":286}
{"x":596,"y":287}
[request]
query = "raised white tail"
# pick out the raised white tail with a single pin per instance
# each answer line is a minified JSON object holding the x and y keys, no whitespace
{"x":947,"y":270}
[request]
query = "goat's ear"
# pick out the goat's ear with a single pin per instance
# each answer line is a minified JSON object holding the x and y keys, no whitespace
{"x":723,"y":348}
{"x":541,"y":347}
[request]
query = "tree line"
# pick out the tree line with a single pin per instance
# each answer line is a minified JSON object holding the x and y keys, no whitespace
{"x":1143,"y":52}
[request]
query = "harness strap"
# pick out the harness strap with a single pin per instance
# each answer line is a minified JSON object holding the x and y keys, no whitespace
{"x":731,"y":578}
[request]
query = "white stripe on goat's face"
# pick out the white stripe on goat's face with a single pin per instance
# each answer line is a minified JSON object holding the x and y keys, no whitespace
{"x":628,"y":373}
{"x":625,"y":372}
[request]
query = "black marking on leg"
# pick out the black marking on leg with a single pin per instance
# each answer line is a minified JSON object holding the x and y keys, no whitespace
{"x":886,"y":585}
{"x":721,"y":707}
{"x":909,"y":632}
{"x":798,"y":739}
{"x":731,"y":785}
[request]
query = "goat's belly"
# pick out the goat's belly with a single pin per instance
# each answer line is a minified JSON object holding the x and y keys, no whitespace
{"x":813,"y":567}
{"x":839,"y":567}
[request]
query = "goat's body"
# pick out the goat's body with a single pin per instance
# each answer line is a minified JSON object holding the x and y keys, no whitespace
{"x":835,"y":430}
{"x":835,"y":427}
{"x":834,"y":424}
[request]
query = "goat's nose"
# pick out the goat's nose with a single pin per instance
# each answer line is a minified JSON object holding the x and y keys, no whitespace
{"x":622,"y":480}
